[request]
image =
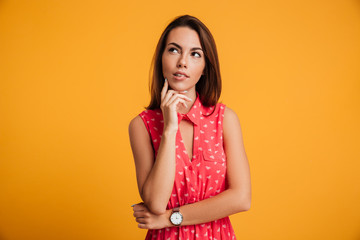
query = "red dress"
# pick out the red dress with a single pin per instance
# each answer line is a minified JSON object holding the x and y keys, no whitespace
{"x":204,"y":176}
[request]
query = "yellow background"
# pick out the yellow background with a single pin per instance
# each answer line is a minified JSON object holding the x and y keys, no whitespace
{"x":74,"y":73}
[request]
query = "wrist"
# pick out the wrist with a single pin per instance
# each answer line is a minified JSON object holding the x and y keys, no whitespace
{"x":170,"y":133}
{"x":176,"y":217}
{"x":167,"y":215}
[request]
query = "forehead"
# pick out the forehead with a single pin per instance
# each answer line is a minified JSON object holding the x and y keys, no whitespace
{"x":184,"y":36}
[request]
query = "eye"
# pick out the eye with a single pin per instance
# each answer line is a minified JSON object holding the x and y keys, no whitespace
{"x":197,"y":54}
{"x":172,"y":49}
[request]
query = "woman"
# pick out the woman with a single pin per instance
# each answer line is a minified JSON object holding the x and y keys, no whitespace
{"x":191,"y":166}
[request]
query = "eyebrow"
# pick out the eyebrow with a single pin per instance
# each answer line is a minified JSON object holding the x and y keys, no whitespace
{"x":177,"y":45}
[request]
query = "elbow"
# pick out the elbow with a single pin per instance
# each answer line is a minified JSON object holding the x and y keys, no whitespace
{"x":242,"y":206}
{"x":245,"y":206}
{"x":153,"y":205}
{"x":156,"y":209}
{"x":243,"y":202}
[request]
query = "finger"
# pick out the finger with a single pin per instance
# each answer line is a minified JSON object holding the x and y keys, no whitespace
{"x":137,"y":204}
{"x":185,"y":105}
{"x":181,"y":101}
{"x":143,"y":226}
{"x":140,"y":214}
{"x":176,"y":96}
{"x":139,"y":208}
{"x":168,"y":95}
{"x":184,"y":97}
{"x":177,"y":101}
{"x":172,"y":98}
{"x":164,"y":90}
{"x":140,"y":220}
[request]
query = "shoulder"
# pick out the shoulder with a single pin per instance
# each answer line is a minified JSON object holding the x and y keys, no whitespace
{"x":230,"y":115}
{"x":138,"y":130}
{"x":231,"y":120}
{"x":136,"y":126}
{"x":146,"y":120}
{"x":143,"y":116}
{"x":139,"y":121}
{"x":135,"y":122}
{"x":232,"y":130}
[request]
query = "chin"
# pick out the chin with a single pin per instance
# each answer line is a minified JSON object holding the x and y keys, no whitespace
{"x":176,"y":87}
{"x":179,"y":86}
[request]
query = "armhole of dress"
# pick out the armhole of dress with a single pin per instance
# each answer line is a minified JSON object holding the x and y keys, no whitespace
{"x":143,"y":117}
{"x":221,"y":119}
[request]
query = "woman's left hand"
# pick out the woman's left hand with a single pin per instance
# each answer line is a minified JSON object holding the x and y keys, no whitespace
{"x":148,"y":220}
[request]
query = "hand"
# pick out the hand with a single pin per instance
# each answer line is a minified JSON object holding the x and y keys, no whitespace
{"x":169,"y":104}
{"x":148,"y":220}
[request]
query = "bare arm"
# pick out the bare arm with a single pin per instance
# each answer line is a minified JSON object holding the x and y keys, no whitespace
{"x":155,"y":178}
{"x":235,"y":199}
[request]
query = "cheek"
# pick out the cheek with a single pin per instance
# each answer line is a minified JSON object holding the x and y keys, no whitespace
{"x":166,"y":63}
{"x":198,"y":70}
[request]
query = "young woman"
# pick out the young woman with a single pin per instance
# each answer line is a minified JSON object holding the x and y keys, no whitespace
{"x":191,"y":166}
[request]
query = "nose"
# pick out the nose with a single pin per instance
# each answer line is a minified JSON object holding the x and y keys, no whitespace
{"x":182,"y":61}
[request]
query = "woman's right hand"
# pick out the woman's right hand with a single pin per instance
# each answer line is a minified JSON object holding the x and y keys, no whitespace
{"x":169,"y":104}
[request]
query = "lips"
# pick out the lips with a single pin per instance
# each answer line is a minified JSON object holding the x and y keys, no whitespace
{"x":182,"y":73}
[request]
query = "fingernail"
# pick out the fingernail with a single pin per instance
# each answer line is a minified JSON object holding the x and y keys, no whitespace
{"x":185,"y":91}
{"x":133,"y":205}
{"x":165,"y":79}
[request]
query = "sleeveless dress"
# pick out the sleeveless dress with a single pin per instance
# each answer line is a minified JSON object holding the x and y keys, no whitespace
{"x":202,"y":177}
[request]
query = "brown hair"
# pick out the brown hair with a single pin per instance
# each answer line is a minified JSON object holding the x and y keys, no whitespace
{"x":209,"y":85}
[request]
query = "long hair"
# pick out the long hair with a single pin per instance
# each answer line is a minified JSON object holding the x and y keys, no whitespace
{"x":209,"y":84}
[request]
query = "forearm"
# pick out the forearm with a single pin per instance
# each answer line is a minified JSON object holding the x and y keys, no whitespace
{"x":222,"y":205}
{"x":158,"y":186}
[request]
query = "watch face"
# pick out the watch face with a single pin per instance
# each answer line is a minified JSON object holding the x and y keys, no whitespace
{"x":176,"y":218}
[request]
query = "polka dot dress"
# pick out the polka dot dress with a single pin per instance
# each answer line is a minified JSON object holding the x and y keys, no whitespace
{"x":199,"y":178}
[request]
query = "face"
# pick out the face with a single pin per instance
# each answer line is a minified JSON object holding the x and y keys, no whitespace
{"x":183,"y":55}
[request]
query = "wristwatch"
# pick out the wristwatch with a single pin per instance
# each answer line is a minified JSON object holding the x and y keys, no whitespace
{"x":176,"y":217}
